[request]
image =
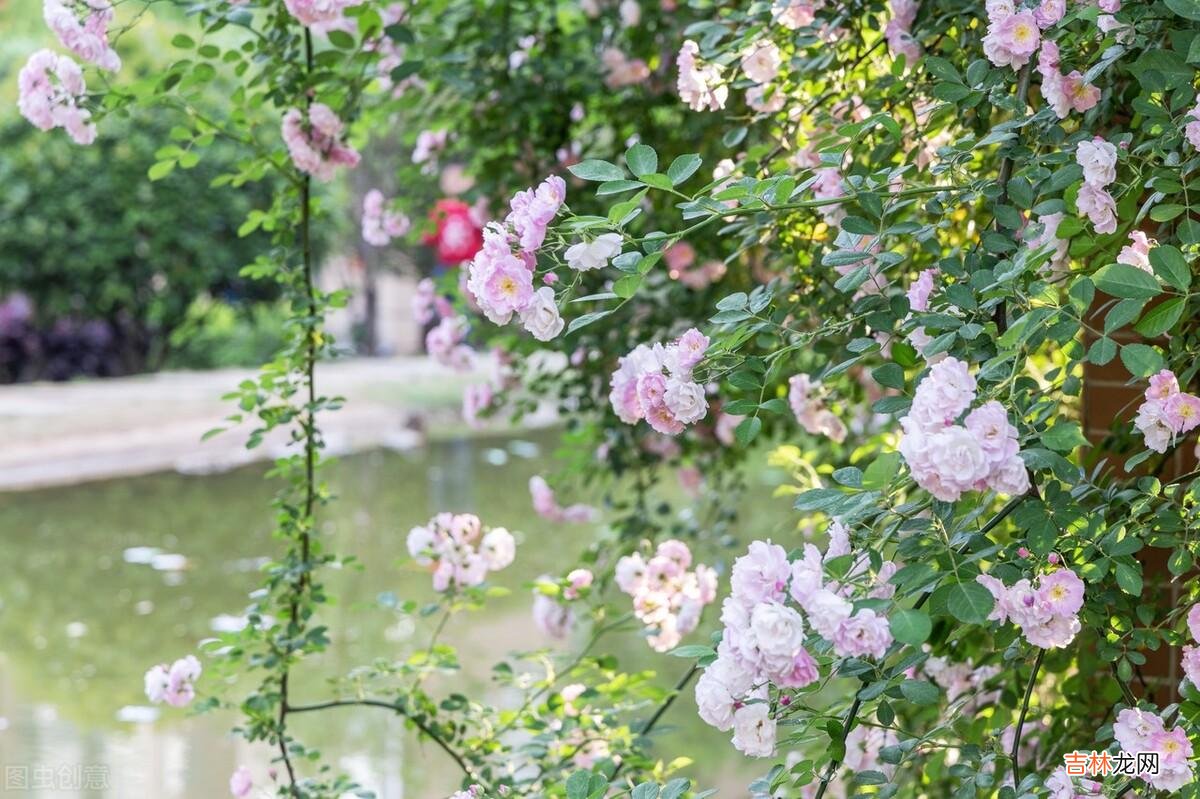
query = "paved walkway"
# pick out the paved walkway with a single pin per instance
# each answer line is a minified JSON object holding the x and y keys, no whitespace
{"x":65,"y":433}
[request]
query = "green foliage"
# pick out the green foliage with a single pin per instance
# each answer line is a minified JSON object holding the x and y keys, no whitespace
{"x":87,"y":235}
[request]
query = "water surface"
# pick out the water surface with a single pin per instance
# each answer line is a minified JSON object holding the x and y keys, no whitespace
{"x":98,"y":582}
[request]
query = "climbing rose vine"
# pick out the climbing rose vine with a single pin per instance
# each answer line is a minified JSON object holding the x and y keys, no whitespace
{"x":931,"y":263}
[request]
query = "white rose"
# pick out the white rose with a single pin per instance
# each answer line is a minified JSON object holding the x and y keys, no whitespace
{"x":686,"y":400}
{"x":420,"y":542}
{"x":754,"y":730}
{"x":498,"y":548}
{"x":761,"y":63}
{"x":541,"y":316}
{"x":957,"y":458}
{"x":779,"y":633}
{"x":1099,"y":162}
{"x":594,"y":254}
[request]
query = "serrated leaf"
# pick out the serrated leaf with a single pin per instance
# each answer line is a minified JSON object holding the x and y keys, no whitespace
{"x":920,"y":692}
{"x":641,"y":159}
{"x":683,"y":168}
{"x":1123,"y":280}
{"x":1170,"y":265}
{"x":969,"y":602}
{"x":596,"y":170}
{"x":1161,"y":318}
{"x":748,"y":430}
{"x":1141,"y":360}
{"x":910,"y":626}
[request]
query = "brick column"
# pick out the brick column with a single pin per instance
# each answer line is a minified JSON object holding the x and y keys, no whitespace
{"x":1111,"y":397}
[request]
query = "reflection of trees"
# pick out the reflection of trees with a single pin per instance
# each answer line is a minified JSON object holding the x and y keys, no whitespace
{"x":64,"y":564}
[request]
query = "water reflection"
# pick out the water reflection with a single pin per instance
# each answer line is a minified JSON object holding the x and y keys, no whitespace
{"x":99,"y":582}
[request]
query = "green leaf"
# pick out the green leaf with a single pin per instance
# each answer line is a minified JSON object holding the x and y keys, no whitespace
{"x":748,"y":430}
{"x":1129,"y":579}
{"x":340,"y":39}
{"x":692,"y":651}
{"x":1064,"y":437}
{"x":911,"y":626}
{"x":627,"y":286}
{"x":920,"y":692}
{"x":1123,"y":280}
{"x":616,"y":187}
{"x":183,"y":41}
{"x":647,"y":790}
{"x":1102,"y":351}
{"x":642,"y":159}
{"x":1141,"y":360}
{"x":587,"y":319}
{"x":1161,"y":318}
{"x":161,"y":169}
{"x":1188,"y":9}
{"x":577,"y":785}
{"x":969,"y":602}
{"x":881,"y":471}
{"x":683,"y":168}
{"x":1170,"y":265}
{"x":596,"y":170}
{"x":890,"y":375}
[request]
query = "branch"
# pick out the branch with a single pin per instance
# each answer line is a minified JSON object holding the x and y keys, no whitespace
{"x":420,"y":725}
{"x":1016,"y":746}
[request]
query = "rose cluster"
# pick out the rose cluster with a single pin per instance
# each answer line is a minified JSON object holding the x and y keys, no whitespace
{"x":654,"y":382}
{"x":173,"y":684}
{"x":668,"y":595}
{"x":1099,"y":161}
{"x":315,"y":144}
{"x":808,"y":404}
{"x":1166,"y":412}
{"x":500,"y":276}
{"x":546,"y":504}
{"x":1142,"y":731}
{"x":1064,"y":92}
{"x":459,"y":551}
{"x":380,"y":224}
{"x":1047,"y":612}
{"x":700,"y":85}
{"x":947,"y":458}
{"x":51,"y":88}
{"x":765,"y":635}
{"x":82,"y":27}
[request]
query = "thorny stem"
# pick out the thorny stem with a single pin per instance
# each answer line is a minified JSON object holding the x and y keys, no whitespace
{"x":1016,"y":745}
{"x":831,"y":769}
{"x":309,"y":429}
{"x":1006,"y":170}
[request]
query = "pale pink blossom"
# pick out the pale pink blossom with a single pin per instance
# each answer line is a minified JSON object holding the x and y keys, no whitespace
{"x":315,"y":141}
{"x":315,"y":13}
{"x":82,"y":27}
{"x":1137,"y":251}
{"x":380,"y":224}
{"x":241,"y":783}
{"x":700,"y":85}
{"x":51,"y":90}
{"x":1099,"y":207}
{"x":761,"y":62}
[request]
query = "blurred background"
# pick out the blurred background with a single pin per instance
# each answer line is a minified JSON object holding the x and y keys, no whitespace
{"x":126,"y":539}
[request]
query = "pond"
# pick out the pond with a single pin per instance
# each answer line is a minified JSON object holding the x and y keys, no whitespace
{"x":100,"y":581}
